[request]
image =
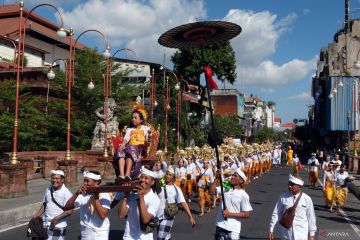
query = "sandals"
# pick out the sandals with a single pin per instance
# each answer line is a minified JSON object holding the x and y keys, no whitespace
{"x":127,"y":179}
{"x":119,"y":179}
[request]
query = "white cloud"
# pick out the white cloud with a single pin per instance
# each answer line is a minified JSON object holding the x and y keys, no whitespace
{"x":267,"y":90}
{"x":268,"y":74}
{"x":306,"y":11}
{"x":30,"y":4}
{"x":257,"y":43}
{"x":304,"y":96}
{"x":136,"y":24}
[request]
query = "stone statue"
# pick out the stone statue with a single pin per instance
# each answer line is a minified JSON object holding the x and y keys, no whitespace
{"x":112,"y":127}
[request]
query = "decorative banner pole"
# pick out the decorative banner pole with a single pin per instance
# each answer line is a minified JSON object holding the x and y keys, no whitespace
{"x":200,"y":34}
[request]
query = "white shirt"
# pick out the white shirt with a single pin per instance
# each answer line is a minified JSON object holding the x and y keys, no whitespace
{"x":191,"y":169}
{"x":208,"y":173}
{"x":180,"y":172}
{"x":328,"y":175}
{"x":324,"y":165}
{"x":61,"y":196}
{"x":340,"y":178}
{"x":159,"y":174}
{"x":295,"y":161}
{"x":93,"y":221}
{"x":236,"y":200}
{"x":249,"y":161}
{"x":234,"y":166}
{"x":172,"y":195}
{"x":304,"y":223}
{"x":315,"y":163}
{"x":132,"y":228}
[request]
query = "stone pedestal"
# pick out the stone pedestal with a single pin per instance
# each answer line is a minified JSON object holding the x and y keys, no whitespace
{"x":105,"y":167}
{"x":49,"y":163}
{"x":70,"y":169}
{"x":30,"y":172}
{"x":13,"y":181}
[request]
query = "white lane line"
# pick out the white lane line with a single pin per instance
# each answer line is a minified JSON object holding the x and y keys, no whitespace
{"x":12,"y":227}
{"x":352,"y":225}
{"x":22,"y":224}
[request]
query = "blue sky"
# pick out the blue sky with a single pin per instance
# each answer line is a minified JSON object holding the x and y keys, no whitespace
{"x":276,"y":51}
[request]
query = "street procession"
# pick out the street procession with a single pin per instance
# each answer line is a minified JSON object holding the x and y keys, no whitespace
{"x":181,"y":119}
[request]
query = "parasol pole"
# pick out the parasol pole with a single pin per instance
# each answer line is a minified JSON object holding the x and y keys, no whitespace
{"x":213,"y":133}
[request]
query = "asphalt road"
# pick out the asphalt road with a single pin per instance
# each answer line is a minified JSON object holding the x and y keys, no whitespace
{"x":263,"y":194}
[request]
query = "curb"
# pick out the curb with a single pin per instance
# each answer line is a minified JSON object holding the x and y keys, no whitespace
{"x":11,"y":217}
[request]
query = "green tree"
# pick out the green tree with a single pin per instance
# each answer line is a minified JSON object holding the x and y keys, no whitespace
{"x":221,"y":59}
{"x":189,"y":62}
{"x":41,"y":130}
{"x":36,"y":130}
{"x":265,"y":134}
{"x":226,"y":126}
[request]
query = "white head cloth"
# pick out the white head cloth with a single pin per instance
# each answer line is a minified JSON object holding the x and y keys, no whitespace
{"x":171,"y":170}
{"x":241,"y":174}
{"x":57,"y":172}
{"x":91,"y":175}
{"x":145,"y":171}
{"x":296,"y":180}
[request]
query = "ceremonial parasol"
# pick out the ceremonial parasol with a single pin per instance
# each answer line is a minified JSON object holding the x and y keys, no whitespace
{"x":200,"y":34}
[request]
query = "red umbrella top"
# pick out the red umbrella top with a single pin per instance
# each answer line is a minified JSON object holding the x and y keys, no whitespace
{"x":199,"y":34}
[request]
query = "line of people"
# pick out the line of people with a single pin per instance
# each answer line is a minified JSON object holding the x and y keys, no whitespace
{"x":153,"y":204}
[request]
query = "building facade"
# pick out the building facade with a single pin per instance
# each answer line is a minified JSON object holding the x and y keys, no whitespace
{"x":335,"y":88}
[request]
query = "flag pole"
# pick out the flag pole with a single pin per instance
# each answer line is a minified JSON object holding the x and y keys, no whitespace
{"x":213,"y":132}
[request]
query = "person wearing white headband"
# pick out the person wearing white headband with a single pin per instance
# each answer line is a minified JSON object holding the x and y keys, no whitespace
{"x":94,"y":208}
{"x":52,"y":212}
{"x":228,"y":221}
{"x":304,"y":223}
{"x":170,"y":194}
{"x":141,"y":207}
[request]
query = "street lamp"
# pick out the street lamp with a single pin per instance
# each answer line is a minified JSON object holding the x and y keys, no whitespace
{"x":189,"y":87}
{"x":51,"y":75}
{"x":106,"y":54}
{"x":138,"y":66}
{"x":15,"y":50}
{"x":20,"y":65}
{"x":91,"y":85}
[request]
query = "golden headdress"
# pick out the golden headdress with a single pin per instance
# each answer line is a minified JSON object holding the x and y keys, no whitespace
{"x":141,"y":108}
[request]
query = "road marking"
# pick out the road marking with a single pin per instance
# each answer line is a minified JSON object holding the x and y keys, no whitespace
{"x":22,"y":224}
{"x":352,"y":225}
{"x":12,"y":227}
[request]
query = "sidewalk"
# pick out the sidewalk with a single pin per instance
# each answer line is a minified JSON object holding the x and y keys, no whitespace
{"x":15,"y":211}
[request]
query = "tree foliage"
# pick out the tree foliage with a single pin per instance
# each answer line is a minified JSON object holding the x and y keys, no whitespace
{"x":221,"y":59}
{"x":265,"y":134}
{"x":41,"y":130}
{"x":226,"y":126}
